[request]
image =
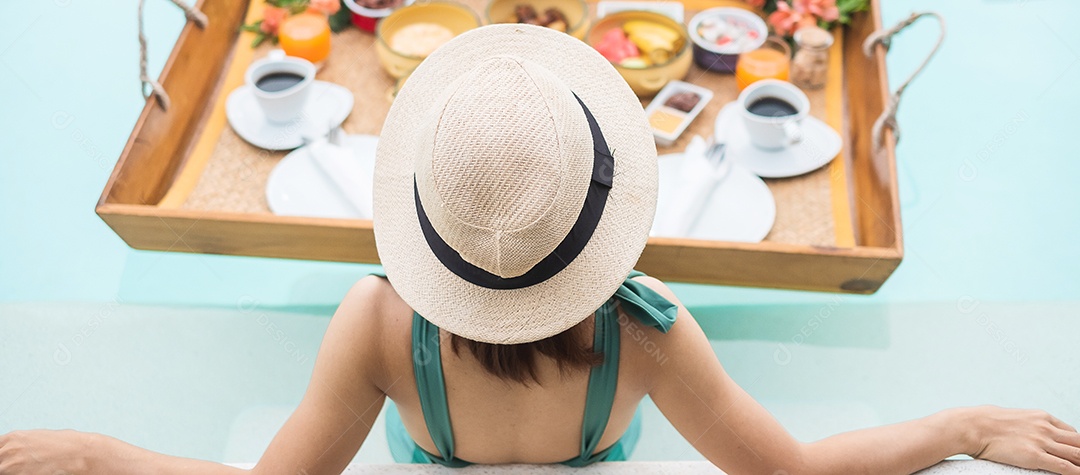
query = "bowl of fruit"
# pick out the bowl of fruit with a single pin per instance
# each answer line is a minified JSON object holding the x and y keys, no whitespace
{"x":721,"y":34}
{"x":568,"y":16}
{"x":648,"y":49}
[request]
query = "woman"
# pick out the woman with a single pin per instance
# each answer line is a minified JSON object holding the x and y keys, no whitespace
{"x":515,"y":188}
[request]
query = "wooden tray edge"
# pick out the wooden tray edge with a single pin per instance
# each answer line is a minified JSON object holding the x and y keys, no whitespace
{"x":132,"y":222}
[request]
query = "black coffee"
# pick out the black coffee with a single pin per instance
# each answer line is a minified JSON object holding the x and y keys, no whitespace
{"x":275,"y":82}
{"x":771,"y":107}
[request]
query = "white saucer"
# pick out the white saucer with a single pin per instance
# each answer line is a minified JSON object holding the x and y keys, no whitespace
{"x":298,"y":186}
{"x":327,"y":107}
{"x":741,"y":208}
{"x":819,"y":146}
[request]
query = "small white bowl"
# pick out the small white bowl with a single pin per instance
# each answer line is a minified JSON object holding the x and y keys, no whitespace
{"x":666,"y":139}
{"x":722,"y":59}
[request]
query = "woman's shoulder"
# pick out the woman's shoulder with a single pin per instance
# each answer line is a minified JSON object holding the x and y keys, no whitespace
{"x":373,"y":303}
{"x":684,"y":321}
{"x":657,"y":286}
{"x":647,"y":345}
{"x":374,"y":292}
{"x":372,"y":317}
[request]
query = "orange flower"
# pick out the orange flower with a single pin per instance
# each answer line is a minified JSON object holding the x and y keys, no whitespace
{"x":272,"y":18}
{"x":328,"y":7}
{"x":823,"y":9}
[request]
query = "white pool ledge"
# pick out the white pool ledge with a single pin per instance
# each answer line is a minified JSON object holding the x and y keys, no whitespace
{"x":949,"y":467}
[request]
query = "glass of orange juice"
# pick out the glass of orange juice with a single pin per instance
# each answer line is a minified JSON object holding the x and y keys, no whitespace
{"x":307,"y":36}
{"x":771,"y":61}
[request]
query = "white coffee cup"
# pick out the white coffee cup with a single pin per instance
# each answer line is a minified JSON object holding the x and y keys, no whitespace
{"x":287,"y":104}
{"x":774,"y":132}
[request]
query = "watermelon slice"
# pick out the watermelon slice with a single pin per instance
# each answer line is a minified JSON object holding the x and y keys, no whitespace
{"x":615,"y":46}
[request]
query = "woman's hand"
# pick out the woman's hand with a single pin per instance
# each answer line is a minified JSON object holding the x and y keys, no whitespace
{"x":46,"y":452}
{"x":1025,"y":438}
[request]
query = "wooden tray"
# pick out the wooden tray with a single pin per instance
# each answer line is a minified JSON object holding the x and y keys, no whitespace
{"x":185,"y":182}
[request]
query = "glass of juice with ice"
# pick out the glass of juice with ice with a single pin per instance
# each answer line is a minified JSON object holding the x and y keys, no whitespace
{"x":771,"y":61}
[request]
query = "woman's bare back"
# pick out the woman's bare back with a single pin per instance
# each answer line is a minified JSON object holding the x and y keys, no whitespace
{"x":500,"y":421}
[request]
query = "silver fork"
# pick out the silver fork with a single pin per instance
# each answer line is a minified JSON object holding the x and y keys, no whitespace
{"x":716,"y":155}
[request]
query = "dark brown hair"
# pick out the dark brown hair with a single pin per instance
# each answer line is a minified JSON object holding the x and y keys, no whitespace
{"x":519,"y":362}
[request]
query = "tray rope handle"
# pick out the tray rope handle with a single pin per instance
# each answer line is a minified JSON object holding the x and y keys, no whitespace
{"x":884,"y":37}
{"x":155,"y":88}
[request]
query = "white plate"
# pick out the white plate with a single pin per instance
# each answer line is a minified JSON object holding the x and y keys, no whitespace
{"x":819,"y":146}
{"x":327,"y":107}
{"x":298,"y":186}
{"x":740,"y":209}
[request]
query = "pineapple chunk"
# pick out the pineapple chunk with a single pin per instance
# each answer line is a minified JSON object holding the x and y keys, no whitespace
{"x":662,"y":32}
{"x":636,"y":62}
{"x":657,"y":42}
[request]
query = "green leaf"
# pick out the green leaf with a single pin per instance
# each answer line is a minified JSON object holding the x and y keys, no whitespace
{"x":847,"y":7}
{"x":851,"y":6}
{"x":288,"y":4}
{"x":340,"y":20}
{"x":259,"y":38}
{"x":254,"y":27}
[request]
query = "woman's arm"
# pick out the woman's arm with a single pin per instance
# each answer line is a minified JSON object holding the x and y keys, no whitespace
{"x":738,"y":435}
{"x":48,"y":452}
{"x":1028,"y":439}
{"x":322,"y":435}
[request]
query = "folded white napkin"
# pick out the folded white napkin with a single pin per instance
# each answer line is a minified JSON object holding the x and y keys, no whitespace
{"x":697,"y":178}
{"x":341,"y":167}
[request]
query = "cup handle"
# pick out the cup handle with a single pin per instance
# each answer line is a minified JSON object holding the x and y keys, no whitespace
{"x":793,"y":132}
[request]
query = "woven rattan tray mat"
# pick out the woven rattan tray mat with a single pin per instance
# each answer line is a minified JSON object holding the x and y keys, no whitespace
{"x":233,"y":177}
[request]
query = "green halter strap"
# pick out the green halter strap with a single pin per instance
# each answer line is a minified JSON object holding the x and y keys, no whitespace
{"x":635,"y":299}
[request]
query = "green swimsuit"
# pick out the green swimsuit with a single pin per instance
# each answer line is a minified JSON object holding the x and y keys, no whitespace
{"x":635,"y":299}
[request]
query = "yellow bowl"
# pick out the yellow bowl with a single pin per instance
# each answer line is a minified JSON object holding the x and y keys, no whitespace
{"x":576,"y":11}
{"x":647,"y":81}
{"x":456,"y":17}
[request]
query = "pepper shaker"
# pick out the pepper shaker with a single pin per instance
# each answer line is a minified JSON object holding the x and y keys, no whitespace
{"x":810,"y":67}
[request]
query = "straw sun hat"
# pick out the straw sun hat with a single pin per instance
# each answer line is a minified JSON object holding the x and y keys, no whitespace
{"x":515,"y":184}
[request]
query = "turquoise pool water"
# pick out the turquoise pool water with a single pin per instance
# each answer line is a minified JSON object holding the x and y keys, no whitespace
{"x":205,"y":356}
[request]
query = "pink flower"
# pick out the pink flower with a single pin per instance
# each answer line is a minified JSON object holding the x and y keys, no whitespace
{"x":328,"y":7}
{"x":823,"y":9}
{"x":785,"y":20}
{"x":272,"y":18}
{"x":756,"y":3}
